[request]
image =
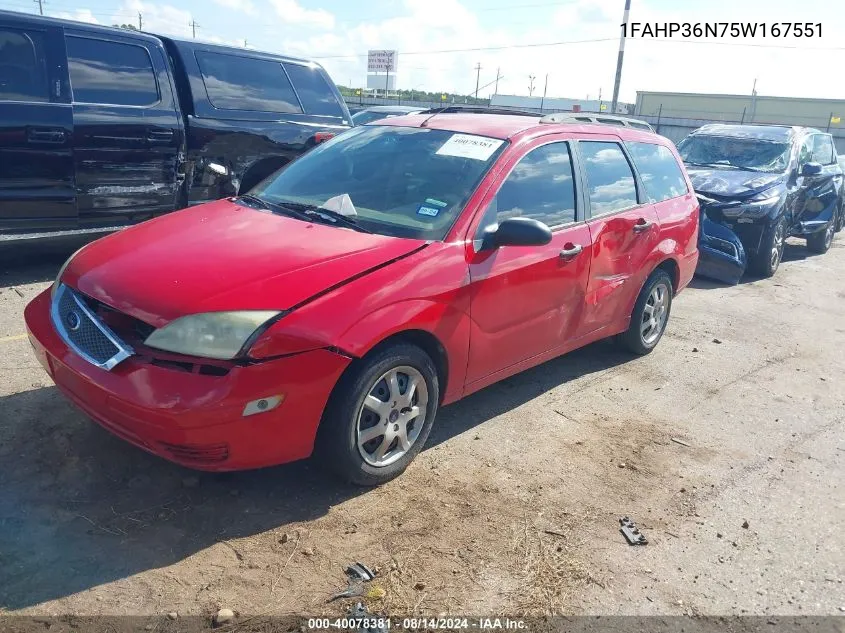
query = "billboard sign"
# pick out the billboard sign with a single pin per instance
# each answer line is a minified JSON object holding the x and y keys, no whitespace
{"x":382,"y":61}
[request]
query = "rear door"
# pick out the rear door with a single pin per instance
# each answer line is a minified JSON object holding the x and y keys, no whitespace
{"x":818,"y":195}
{"x":624,"y":229}
{"x":529,"y":300}
{"x":36,"y":128}
{"x":127,"y":131}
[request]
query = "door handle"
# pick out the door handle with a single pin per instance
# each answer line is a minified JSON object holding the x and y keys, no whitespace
{"x":46,"y":135}
{"x":572,"y":251}
{"x":160,"y":136}
{"x":642,"y":225}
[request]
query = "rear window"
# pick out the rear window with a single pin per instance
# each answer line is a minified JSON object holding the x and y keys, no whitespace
{"x":661,"y":174}
{"x":23,"y":66}
{"x":234,"y":82}
{"x":110,"y":73}
{"x":313,"y":90}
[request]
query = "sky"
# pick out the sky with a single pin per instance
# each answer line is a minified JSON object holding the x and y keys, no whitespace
{"x":516,"y":35}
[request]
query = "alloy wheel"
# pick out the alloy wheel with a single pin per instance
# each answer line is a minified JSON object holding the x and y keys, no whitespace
{"x":777,"y":247}
{"x":828,"y":234}
{"x":655,"y":313}
{"x":392,"y":416}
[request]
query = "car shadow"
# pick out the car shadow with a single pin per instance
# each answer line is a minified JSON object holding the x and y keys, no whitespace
{"x":80,"y":507}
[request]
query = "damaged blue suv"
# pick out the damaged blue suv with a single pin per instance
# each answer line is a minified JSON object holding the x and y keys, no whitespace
{"x":758,"y":185}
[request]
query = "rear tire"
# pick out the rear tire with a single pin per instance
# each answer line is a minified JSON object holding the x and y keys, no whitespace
{"x":767,"y":260}
{"x":650,"y":315}
{"x":820,"y":242}
{"x":377,"y":399}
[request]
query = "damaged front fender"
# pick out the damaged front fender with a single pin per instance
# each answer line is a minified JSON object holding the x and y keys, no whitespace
{"x":721,"y":254}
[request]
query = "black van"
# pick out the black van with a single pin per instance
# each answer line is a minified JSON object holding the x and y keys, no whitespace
{"x":102,"y":127}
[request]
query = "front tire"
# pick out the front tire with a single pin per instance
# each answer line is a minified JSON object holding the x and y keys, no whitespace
{"x":820,"y":242}
{"x":765,"y":263}
{"x":650,"y":315}
{"x":379,"y":416}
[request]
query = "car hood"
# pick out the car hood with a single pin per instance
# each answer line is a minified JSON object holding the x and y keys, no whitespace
{"x":224,"y":256}
{"x":731,"y":183}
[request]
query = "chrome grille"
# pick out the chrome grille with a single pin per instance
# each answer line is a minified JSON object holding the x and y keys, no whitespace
{"x":84,"y":332}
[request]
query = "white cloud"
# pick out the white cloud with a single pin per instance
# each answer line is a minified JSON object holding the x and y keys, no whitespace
{"x":291,"y":12}
{"x":80,"y":15}
{"x":244,"y":6}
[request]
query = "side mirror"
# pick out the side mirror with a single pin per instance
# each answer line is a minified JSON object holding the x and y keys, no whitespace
{"x":516,"y":232}
{"x":811,"y":169}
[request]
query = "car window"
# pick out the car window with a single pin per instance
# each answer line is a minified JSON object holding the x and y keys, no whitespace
{"x":23,"y":66}
{"x":540,"y":186}
{"x":400,"y":181}
{"x":823,"y":149}
{"x":234,"y":82}
{"x":110,"y":73}
{"x":314,"y":91}
{"x":610,"y":181}
{"x":805,"y":155}
{"x":661,"y":174}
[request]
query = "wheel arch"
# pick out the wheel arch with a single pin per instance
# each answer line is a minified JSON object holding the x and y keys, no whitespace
{"x":427,"y":342}
{"x":670,"y":265}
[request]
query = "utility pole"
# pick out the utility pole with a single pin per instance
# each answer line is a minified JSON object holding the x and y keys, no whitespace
{"x":40,"y":4}
{"x":619,"y":59}
{"x":498,"y":76}
{"x":140,"y":22}
{"x":194,"y":26}
{"x":753,"y":101}
{"x":545,"y":88}
{"x":531,"y":79}
{"x":477,"y":78}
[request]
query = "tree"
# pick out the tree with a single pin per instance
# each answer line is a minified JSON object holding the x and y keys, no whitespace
{"x":128,"y":27}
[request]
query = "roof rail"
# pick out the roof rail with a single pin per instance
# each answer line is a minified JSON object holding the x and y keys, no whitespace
{"x":592,"y":117}
{"x":473,"y":109}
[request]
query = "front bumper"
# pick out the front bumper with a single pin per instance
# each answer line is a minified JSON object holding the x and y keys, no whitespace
{"x":193,"y":419}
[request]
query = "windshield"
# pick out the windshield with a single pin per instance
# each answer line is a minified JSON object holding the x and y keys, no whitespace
{"x":400,"y":181}
{"x":752,"y":154}
{"x":366,"y":116}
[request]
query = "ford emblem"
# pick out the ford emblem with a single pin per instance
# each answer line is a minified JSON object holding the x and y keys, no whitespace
{"x":73,"y":321}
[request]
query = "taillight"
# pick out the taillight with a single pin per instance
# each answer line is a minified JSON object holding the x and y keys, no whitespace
{"x":321,"y":137}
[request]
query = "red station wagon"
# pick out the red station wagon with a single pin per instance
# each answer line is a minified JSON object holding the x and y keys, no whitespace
{"x":391,"y":270}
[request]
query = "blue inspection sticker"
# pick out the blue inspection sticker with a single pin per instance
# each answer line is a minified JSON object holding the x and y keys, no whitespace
{"x":429,"y":211}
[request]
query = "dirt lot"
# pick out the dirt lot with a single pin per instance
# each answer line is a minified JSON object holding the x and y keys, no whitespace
{"x":512,"y":508}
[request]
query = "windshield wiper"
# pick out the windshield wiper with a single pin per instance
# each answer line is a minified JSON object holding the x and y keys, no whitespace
{"x":274,"y":207}
{"x":312,"y":210}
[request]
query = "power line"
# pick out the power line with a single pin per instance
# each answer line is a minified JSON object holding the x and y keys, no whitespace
{"x":471,"y":50}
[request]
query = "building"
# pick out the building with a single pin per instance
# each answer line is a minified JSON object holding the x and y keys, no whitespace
{"x":555,"y":104}
{"x":825,"y":114}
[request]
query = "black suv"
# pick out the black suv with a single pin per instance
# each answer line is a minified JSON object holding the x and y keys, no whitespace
{"x":102,"y":127}
{"x":766,"y":183}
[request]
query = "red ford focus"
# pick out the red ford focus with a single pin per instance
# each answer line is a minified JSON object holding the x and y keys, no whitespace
{"x":393,"y":269}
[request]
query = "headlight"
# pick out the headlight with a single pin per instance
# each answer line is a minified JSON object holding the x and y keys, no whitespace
{"x":219,"y":335}
{"x":758,"y":206}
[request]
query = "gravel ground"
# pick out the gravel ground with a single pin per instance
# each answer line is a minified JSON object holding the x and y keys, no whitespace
{"x":725,"y":446}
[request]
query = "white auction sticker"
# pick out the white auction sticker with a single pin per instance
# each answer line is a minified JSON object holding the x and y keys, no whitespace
{"x":469,"y":146}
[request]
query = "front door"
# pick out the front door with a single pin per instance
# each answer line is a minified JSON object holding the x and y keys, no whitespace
{"x":127,"y":132}
{"x":818,"y":196}
{"x":624,"y":233}
{"x":36,"y":129}
{"x":528,"y":300}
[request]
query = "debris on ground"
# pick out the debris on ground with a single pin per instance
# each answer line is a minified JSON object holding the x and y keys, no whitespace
{"x":419,"y":586}
{"x":631,"y":532}
{"x":359,"y":611}
{"x":172,"y":615}
{"x":677,"y":441}
{"x":223,"y":615}
{"x":375,"y":593}
{"x":745,"y":524}
{"x":717,"y":341}
{"x":285,"y":538}
{"x":358,"y":574}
